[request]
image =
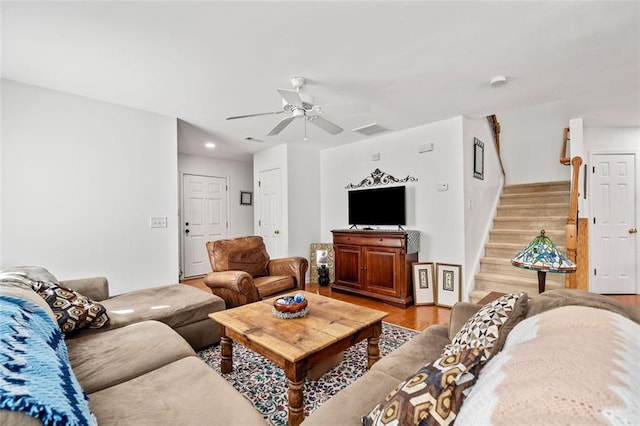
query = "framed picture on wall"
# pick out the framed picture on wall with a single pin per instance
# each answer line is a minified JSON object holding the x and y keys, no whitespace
{"x":448,"y":290}
{"x":423,"y":287}
{"x":478,"y":159}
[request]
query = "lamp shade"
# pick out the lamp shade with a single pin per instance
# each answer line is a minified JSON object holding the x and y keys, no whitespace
{"x":542,"y":255}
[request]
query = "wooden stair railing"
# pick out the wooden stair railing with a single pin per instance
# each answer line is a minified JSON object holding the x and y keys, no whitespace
{"x":575,"y":241}
{"x":495,"y":130}
{"x":564,"y":159}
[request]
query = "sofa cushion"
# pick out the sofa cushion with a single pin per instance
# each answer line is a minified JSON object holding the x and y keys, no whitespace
{"x":72,"y":310}
{"x":490,"y":326}
{"x":433,"y":395}
{"x":18,"y":286}
{"x":101,"y":360}
{"x":354,"y":401}
{"x":175,"y":305}
{"x":571,"y":365}
{"x":185,"y":392}
{"x":271,"y":285}
{"x":34,"y":273}
{"x":567,"y":297}
{"x":415,"y":353}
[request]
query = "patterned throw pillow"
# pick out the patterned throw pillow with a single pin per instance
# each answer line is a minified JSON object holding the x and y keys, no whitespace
{"x":490,"y":325}
{"x":72,"y":310}
{"x":432,"y":396}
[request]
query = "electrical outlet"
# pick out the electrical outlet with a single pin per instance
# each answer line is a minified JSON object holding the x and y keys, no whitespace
{"x":158,"y":222}
{"x":376,"y":156}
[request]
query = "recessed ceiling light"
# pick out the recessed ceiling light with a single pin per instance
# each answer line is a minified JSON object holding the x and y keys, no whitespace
{"x":498,"y":80}
{"x":210,"y":145}
{"x":251,"y":138}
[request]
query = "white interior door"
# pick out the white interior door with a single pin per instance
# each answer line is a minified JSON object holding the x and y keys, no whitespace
{"x":270,"y":210}
{"x":613,"y":237}
{"x":204,"y":218}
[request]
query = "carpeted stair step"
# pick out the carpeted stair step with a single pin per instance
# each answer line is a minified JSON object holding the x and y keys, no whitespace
{"x":540,"y":199}
{"x":538,"y":187}
{"x":533,"y":210}
{"x":493,"y":265}
{"x":475,"y":295}
{"x":507,"y":284}
{"x":516,"y":236}
{"x":530,"y":223}
{"x":508,"y":250}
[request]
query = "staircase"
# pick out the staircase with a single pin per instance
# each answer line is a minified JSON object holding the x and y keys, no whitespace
{"x":523,"y":211}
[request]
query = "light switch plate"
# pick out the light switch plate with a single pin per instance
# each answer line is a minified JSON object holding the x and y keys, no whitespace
{"x":443,"y":186}
{"x":158,"y":222}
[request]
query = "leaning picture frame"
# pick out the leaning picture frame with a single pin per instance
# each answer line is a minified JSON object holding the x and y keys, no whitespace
{"x":322,"y":253}
{"x":448,"y":284}
{"x":423,"y":286}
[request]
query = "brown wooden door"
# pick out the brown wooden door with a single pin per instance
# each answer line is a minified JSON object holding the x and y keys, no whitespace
{"x":349,"y":266}
{"x":381,"y":270}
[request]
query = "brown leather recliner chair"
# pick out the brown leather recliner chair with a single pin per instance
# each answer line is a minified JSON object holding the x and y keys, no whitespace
{"x":243,"y":272}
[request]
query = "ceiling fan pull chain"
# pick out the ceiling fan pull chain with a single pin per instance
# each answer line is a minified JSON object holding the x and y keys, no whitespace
{"x":305,"y":127}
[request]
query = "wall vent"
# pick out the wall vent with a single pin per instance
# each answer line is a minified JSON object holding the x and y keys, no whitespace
{"x":370,"y":129}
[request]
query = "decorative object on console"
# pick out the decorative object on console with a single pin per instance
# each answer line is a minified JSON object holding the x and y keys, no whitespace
{"x":543,"y":256}
{"x":448,"y":290}
{"x":323,"y":275}
{"x":317,"y":251}
{"x":423,"y":287}
{"x":478,"y":159}
{"x":379,"y":177}
{"x":246,"y":198}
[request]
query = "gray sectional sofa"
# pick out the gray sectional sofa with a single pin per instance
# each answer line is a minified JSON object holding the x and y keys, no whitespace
{"x":141,"y":369}
{"x":571,"y":359}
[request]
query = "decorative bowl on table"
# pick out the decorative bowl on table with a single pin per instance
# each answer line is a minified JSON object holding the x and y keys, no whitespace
{"x":287,"y":307}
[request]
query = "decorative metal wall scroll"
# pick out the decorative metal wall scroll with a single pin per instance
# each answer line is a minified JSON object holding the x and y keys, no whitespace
{"x":378,"y":177}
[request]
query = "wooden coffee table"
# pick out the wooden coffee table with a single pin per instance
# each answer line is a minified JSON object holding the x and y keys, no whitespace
{"x":296,"y":345}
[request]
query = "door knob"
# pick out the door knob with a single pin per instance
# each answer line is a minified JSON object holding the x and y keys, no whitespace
{"x":277,"y":232}
{"x":633,"y":230}
{"x":186,"y":231}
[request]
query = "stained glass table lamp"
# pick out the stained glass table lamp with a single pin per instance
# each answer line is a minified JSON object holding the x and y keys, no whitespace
{"x":543,"y":256}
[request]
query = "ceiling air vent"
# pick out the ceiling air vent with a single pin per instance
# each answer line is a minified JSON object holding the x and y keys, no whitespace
{"x":370,"y":129}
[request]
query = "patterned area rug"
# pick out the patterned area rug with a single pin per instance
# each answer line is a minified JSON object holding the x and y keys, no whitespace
{"x":265,"y":384}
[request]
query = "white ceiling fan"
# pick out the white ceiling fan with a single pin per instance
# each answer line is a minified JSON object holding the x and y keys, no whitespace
{"x":298,"y":105}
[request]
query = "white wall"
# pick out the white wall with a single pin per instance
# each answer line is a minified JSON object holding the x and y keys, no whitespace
{"x":481,"y":197}
{"x":439,"y":216}
{"x":240,"y":177}
{"x":531,"y":141}
{"x":80,"y":179}
{"x":303,"y":164}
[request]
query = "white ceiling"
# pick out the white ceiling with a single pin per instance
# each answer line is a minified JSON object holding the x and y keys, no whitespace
{"x":412,"y":62}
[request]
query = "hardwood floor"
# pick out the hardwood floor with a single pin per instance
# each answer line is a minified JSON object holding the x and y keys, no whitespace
{"x":414,"y":317}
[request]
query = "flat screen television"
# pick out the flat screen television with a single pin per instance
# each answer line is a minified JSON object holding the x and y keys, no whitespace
{"x":378,"y":206}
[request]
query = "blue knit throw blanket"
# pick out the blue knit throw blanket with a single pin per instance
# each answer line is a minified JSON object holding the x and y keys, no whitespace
{"x":35,"y":374}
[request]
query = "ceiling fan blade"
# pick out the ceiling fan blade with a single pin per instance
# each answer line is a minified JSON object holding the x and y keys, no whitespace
{"x":280,"y":126}
{"x":347,"y":108}
{"x":291,"y":96}
{"x":325,"y":124}
{"x":254,"y":115}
